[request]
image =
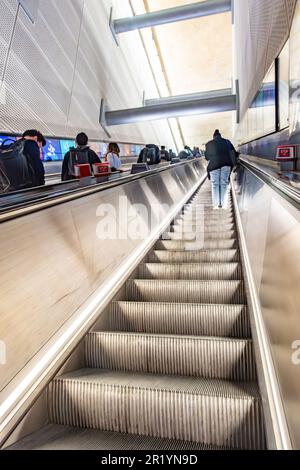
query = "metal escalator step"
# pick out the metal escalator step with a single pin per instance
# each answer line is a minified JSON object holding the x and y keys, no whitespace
{"x":204,"y":227}
{"x":201,"y":207}
{"x":213,"y":215}
{"x":211,"y":256}
{"x":211,"y":412}
{"x":178,"y":245}
{"x":229,"y":321}
{"x":205,"y":272}
{"x":184,"y":356}
{"x":56,"y":437}
{"x":205,"y":292}
{"x":187,"y":234}
{"x":200,"y":221}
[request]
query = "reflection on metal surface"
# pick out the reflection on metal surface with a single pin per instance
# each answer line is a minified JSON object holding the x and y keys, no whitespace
{"x":284,"y":182}
{"x":67,"y":275}
{"x":271,"y":227}
{"x":277,"y":432}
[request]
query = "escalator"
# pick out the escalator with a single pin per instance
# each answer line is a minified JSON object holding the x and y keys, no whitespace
{"x":172,"y":366}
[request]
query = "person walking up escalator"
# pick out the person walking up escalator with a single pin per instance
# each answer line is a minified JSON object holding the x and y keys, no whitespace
{"x":221,"y":156}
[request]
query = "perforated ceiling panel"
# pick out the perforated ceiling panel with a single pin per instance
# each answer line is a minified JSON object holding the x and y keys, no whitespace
{"x":56,"y":70}
{"x":8,"y":10}
{"x":261,"y":29}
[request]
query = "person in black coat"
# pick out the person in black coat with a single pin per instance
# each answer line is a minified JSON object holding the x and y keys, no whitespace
{"x":34,"y":141}
{"x":220,"y":155}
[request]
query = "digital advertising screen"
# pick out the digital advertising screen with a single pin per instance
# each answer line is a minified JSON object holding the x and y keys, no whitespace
{"x":7,"y":138}
{"x":52,"y":151}
{"x":65,"y":146}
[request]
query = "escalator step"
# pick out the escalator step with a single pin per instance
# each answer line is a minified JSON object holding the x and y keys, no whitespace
{"x":186,"y":233}
{"x":55,"y":437}
{"x":205,"y":292}
{"x":177,"y":245}
{"x":188,"y":356}
{"x":211,"y":256}
{"x":210,"y":412}
{"x":229,"y":321}
{"x":207,"y":226}
{"x":205,"y":272}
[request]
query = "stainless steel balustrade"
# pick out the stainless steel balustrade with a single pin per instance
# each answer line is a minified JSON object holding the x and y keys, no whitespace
{"x":56,"y":273}
{"x":270,"y":220}
{"x":200,"y":295}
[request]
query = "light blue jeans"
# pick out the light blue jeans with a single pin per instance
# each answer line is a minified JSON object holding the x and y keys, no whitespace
{"x":220,"y":183}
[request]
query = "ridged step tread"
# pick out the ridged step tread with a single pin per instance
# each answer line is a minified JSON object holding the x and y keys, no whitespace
{"x":217,"y":219}
{"x":229,"y":321}
{"x":185,"y":356}
{"x":187,"y":233}
{"x":207,"y":211}
{"x":178,"y":245}
{"x":56,"y":437}
{"x":207,"y":226}
{"x":205,"y":292}
{"x":196,"y":271}
{"x":210,"y":412}
{"x":210,"y":256}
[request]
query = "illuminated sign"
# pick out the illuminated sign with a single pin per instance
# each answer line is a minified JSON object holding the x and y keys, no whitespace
{"x":286,"y":152}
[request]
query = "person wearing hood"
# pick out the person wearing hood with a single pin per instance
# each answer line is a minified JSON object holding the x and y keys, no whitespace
{"x":80,"y":155}
{"x":220,"y":154}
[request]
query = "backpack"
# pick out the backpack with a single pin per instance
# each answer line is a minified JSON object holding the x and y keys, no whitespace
{"x":77,"y":157}
{"x":234,"y":155}
{"x":143,"y":157}
{"x":15,"y":171}
{"x":149,"y":155}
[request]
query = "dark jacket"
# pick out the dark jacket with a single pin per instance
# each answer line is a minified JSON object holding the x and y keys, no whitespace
{"x":164,"y":155}
{"x":92,"y":159}
{"x":218,"y":155}
{"x":33,"y":155}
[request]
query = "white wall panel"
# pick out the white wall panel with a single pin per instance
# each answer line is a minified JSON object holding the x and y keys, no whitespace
{"x":58,"y":69}
{"x":261,"y":29}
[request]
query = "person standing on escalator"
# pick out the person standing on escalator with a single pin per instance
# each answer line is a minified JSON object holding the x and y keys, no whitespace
{"x":221,"y":156}
{"x":80,"y":155}
{"x":112,"y":157}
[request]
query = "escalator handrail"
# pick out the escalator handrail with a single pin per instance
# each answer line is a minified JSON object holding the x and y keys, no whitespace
{"x":282,"y":188}
{"x":44,"y":202}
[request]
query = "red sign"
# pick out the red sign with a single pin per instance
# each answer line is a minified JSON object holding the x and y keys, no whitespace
{"x":286,"y":152}
{"x":101,"y":169}
{"x":82,"y":171}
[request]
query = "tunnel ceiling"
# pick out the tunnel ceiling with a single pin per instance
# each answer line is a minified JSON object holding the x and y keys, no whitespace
{"x":196,"y":56}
